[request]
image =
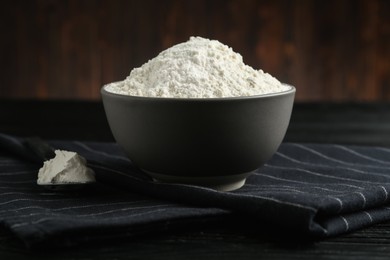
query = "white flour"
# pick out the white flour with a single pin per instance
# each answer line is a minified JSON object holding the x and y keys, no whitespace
{"x":198,"y":68}
{"x":65,"y":167}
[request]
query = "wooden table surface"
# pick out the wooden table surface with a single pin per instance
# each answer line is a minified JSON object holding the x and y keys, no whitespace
{"x":363,"y":124}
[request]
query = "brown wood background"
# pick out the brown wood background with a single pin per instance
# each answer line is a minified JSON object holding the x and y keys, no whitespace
{"x":330,"y":50}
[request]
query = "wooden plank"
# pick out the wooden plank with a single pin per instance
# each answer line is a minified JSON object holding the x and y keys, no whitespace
{"x":330,"y":50}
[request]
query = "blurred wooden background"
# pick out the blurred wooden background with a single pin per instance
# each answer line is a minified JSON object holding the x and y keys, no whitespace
{"x":337,"y":50}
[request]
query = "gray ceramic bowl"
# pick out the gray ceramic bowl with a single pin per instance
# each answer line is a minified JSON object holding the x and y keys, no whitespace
{"x":215,"y":142}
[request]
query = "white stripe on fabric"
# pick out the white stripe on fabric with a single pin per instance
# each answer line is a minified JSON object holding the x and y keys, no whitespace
{"x":8,"y":160}
{"x":77,"y":207}
{"x":50,"y":194}
{"x":331,"y":167}
{"x":24,"y":193}
{"x":123,"y":210}
{"x":364,"y":199}
{"x":386,"y":193}
{"x":345,"y":222}
{"x":369,"y":215}
{"x":18,"y":182}
{"x":340,"y":202}
{"x":325,"y":175}
{"x":18,"y":173}
{"x":271,"y":189}
{"x":102,"y":205}
{"x":331,"y":159}
{"x":384,"y":149}
{"x":56,"y":219}
{"x":322,"y":155}
{"x":40,"y":200}
{"x":9,"y":163}
{"x":31,"y":189}
{"x":293,"y":187}
{"x":294,"y":181}
{"x":367,"y":173}
{"x":279,"y":201}
{"x":282,"y":179}
{"x":75,"y":215}
{"x":361,"y":155}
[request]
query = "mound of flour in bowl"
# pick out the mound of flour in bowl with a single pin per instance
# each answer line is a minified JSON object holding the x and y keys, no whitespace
{"x":198,"y":68}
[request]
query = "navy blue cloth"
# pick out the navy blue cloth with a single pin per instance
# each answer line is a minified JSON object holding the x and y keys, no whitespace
{"x":319,"y":190}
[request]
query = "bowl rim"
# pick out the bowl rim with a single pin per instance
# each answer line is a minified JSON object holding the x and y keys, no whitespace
{"x":291,"y":90}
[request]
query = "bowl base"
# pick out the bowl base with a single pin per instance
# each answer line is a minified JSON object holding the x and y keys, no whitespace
{"x":220,"y":183}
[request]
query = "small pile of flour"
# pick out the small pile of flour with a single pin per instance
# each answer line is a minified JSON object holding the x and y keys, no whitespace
{"x":198,"y":68}
{"x":65,"y":167}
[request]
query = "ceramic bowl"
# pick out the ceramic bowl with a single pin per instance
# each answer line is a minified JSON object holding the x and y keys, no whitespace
{"x":213,"y":142}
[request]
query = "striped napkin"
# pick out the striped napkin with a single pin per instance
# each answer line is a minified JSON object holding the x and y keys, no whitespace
{"x":316,"y":190}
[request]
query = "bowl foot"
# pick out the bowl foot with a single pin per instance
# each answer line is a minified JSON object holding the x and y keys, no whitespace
{"x":220,"y":183}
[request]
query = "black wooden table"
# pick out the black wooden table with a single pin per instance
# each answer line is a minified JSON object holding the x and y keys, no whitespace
{"x":364,"y":124}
